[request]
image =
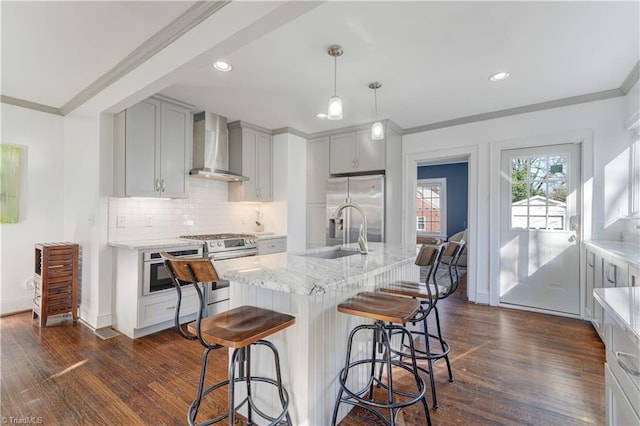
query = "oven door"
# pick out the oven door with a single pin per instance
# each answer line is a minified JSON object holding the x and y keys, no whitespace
{"x":155,"y":278}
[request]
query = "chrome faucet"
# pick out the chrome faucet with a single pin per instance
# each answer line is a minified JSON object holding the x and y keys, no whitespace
{"x":362,"y":237}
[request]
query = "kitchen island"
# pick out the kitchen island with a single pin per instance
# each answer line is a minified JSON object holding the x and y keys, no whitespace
{"x":313,"y":350}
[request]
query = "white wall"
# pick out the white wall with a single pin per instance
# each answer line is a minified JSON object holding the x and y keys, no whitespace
{"x":289,"y":189}
{"x":41,"y":219}
{"x":604,"y":119}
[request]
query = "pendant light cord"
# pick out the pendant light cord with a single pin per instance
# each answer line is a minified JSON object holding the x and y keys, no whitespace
{"x":335,"y":75}
{"x":375,"y":100}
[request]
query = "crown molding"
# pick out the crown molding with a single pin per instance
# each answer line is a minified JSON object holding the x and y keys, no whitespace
{"x":243,"y":124}
{"x":631,"y":79}
{"x":197,"y":13}
{"x":290,"y":130}
{"x":557,"y":103}
{"x":30,"y":105}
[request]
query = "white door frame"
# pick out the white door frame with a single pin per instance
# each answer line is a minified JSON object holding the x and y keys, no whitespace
{"x":410,"y":179}
{"x":585,"y":186}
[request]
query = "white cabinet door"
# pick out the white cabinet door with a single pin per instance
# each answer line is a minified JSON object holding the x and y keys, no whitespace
{"x":370,"y":154}
{"x":317,"y":170}
{"x":175,"y":142}
{"x":142,"y":159}
{"x":615,"y":272}
{"x":356,"y":152}
{"x":264,"y":155}
{"x":343,"y":153}
{"x":619,"y":409}
{"x":155,"y":148}
{"x":251,"y":155}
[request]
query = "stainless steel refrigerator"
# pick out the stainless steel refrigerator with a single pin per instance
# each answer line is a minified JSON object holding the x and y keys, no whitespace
{"x":367,"y":192}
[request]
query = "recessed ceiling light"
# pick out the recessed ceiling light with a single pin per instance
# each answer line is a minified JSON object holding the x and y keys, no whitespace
{"x":222,"y":66}
{"x":499,"y":76}
{"x":321,"y":115}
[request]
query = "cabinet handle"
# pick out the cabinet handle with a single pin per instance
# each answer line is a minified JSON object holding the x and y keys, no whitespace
{"x":157,"y":185}
{"x":591,"y":260}
{"x":615,"y":270}
{"x":171,"y":308}
{"x":620,"y":356}
{"x":162,"y":184}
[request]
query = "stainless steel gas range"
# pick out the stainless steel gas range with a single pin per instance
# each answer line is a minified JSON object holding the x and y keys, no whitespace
{"x":220,"y":247}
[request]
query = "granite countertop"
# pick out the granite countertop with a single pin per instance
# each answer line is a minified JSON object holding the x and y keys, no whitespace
{"x":155,"y":244}
{"x":304,"y":275}
{"x":623,"y":304}
{"x":626,"y":251}
{"x":268,"y":236}
{"x":179,"y":242}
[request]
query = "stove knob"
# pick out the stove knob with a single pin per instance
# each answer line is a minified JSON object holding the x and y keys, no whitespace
{"x":219,"y":243}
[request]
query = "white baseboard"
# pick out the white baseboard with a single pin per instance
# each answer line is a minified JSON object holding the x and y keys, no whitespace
{"x":94,"y":320}
{"x":482,"y":298}
{"x":16,"y":304}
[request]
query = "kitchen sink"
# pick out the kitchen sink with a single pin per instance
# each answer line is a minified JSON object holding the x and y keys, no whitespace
{"x":335,"y":253}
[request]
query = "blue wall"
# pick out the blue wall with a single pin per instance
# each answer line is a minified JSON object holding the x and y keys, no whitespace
{"x":457,"y":182}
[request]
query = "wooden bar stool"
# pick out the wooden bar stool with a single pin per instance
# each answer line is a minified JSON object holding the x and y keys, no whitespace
{"x":428,"y":294}
{"x":393,"y":310}
{"x":240,"y":328}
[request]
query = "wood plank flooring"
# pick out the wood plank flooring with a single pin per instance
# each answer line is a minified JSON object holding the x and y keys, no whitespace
{"x":510,"y":368}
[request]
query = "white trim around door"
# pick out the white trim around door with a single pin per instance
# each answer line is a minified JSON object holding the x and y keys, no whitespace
{"x":585,"y":186}
{"x":410,"y":178}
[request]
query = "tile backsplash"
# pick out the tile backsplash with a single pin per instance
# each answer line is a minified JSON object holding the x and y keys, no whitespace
{"x":206,"y":211}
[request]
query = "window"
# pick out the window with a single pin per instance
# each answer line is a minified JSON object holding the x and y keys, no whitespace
{"x":539,"y":192}
{"x":431,"y":207}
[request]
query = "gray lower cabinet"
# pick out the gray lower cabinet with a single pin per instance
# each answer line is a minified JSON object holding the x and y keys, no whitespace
{"x":152,"y":150}
{"x":622,"y":371}
{"x":602,"y":270}
{"x":272,"y":245}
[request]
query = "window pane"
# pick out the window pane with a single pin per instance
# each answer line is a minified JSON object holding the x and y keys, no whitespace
{"x":428,"y":207}
{"x":539,"y":192}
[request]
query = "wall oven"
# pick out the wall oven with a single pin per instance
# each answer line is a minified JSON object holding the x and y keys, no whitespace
{"x":154,"y":275}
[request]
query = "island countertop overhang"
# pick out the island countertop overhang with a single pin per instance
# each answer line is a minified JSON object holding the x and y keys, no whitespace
{"x":298,"y":273}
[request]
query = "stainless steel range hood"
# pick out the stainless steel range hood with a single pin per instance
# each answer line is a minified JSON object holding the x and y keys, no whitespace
{"x":211,"y":148}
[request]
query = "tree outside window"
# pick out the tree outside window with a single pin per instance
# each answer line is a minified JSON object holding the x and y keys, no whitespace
{"x":539,"y":192}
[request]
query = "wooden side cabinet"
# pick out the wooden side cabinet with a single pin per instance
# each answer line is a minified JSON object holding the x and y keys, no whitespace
{"x":56,"y":280}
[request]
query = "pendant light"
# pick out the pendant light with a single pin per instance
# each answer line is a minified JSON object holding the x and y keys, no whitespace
{"x":335,"y":103}
{"x":377,"y":129}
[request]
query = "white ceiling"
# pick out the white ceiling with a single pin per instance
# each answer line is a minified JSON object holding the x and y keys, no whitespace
{"x":432,"y":58}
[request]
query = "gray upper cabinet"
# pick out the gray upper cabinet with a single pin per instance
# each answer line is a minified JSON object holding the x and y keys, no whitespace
{"x":317,"y":169}
{"x":251,"y":155}
{"x":152,"y":150}
{"x":355,"y":152}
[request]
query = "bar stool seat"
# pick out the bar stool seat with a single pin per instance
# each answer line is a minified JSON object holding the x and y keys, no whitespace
{"x":387,"y":311}
{"x":240,"y":328}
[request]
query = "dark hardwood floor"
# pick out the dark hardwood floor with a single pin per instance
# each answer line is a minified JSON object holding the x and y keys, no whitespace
{"x":510,"y":368}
